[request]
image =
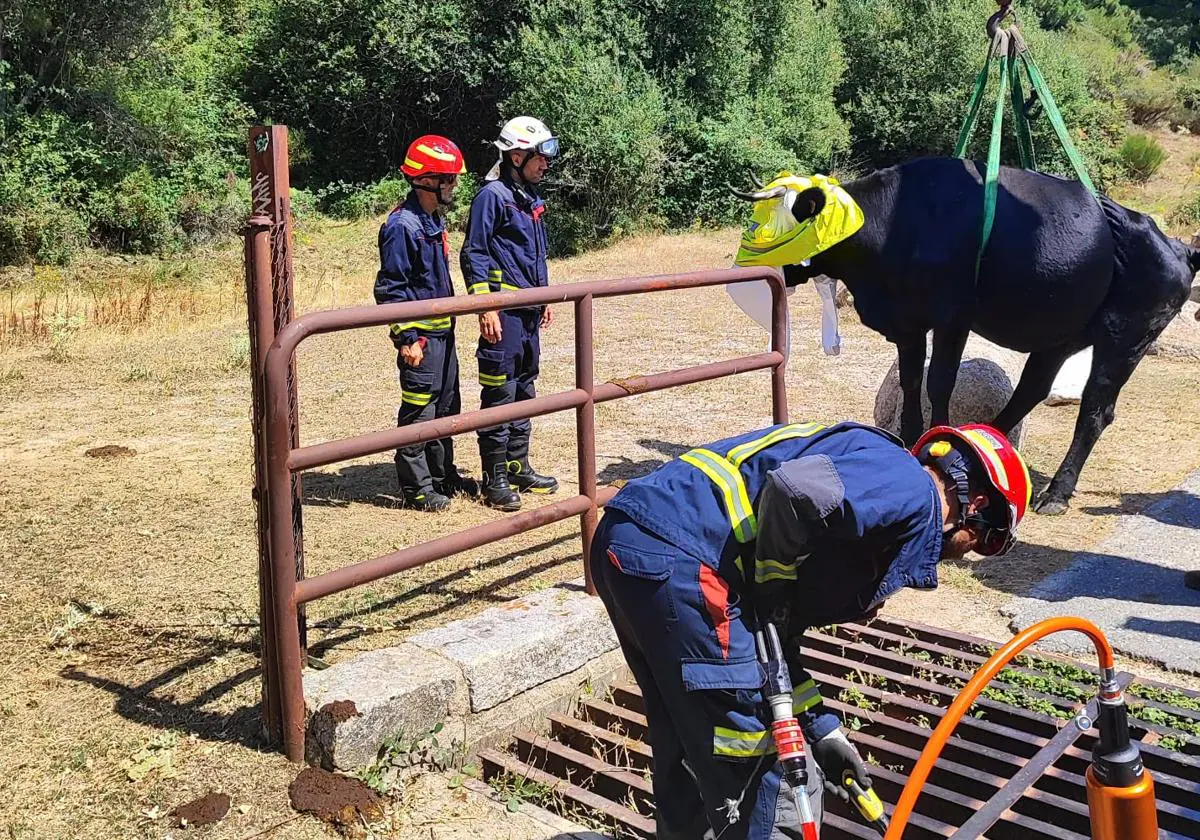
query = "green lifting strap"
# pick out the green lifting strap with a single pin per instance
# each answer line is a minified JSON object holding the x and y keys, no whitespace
{"x":1012,"y":54}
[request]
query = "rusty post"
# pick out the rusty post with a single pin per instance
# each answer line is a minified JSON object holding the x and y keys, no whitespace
{"x":289,"y":645}
{"x":257,"y":235}
{"x":274,"y":309}
{"x":585,"y":431}
{"x":779,"y":344}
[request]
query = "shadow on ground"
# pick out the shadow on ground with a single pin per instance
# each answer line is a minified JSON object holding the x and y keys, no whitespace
{"x":1174,"y":507}
{"x":153,"y":702}
{"x":373,"y":484}
{"x":1148,"y":583}
{"x":625,"y":469}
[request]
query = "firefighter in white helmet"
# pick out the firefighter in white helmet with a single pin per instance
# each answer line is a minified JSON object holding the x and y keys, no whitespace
{"x":505,"y":249}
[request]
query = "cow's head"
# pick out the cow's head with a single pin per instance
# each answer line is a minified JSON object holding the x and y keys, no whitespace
{"x":806,"y":205}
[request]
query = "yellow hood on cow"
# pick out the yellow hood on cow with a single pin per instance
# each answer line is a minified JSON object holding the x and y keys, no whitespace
{"x":774,"y":237}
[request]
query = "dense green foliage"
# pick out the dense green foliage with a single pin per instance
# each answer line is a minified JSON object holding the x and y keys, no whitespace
{"x":123,"y":123}
{"x":1142,"y":155}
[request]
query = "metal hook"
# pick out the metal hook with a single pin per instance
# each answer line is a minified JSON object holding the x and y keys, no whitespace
{"x":995,"y":20}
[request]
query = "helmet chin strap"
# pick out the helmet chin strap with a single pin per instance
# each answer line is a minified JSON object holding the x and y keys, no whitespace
{"x":437,"y":191}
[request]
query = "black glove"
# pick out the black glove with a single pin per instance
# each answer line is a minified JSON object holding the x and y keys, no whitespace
{"x":836,"y":757}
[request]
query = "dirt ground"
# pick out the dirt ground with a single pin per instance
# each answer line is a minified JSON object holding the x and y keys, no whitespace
{"x":128,"y":680}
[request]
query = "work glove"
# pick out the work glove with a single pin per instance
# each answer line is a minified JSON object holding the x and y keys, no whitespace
{"x":836,"y":757}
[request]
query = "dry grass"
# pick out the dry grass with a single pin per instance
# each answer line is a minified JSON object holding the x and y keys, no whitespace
{"x":127,"y":585}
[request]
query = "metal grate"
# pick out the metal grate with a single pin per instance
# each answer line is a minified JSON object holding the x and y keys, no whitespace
{"x":1013,"y":771}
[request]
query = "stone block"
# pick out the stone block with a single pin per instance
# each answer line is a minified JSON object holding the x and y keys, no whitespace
{"x":509,"y":649}
{"x":354,"y":706}
{"x":981,"y":391}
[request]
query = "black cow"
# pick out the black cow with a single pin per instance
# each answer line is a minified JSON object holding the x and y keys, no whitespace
{"x":1061,"y":272}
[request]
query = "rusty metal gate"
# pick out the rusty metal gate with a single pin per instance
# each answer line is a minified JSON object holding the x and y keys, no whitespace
{"x":279,"y":457}
{"x":1013,"y":771}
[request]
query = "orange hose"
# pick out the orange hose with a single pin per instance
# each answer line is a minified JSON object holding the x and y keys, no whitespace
{"x":968,"y":696}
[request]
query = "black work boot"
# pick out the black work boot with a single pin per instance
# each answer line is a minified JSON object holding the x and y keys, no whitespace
{"x":459,"y":485}
{"x":526,"y":479}
{"x":430,"y":501}
{"x":1192,"y":580}
{"x":497,"y":492}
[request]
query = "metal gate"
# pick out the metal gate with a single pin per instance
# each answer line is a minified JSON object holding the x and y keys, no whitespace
{"x":279,"y":457}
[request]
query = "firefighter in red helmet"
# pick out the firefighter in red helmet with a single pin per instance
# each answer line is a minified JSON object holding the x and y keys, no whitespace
{"x":414,"y":258}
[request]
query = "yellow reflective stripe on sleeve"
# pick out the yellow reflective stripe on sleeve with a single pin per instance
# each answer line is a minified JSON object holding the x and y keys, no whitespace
{"x":430,"y":324}
{"x":805,"y":696}
{"x":732,"y":487}
{"x":479,"y":288}
{"x":741,"y":744}
{"x":739,"y":454}
{"x":508,"y":287}
{"x":768,"y":570}
{"x":492,"y":380}
{"x":414,"y":398}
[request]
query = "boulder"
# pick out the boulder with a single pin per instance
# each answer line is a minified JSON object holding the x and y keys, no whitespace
{"x":981,"y":391}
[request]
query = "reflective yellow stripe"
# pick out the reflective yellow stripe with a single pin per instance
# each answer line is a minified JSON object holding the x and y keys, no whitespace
{"x":768,"y":570}
{"x":508,"y":287}
{"x":492,"y":379}
{"x":724,"y":472}
{"x":805,"y":696}
{"x":431,"y":324}
{"x":732,"y":486}
{"x":434,"y":153}
{"x":479,"y":288}
{"x":741,"y":744}
{"x":738,"y":455}
{"x":413,"y":398}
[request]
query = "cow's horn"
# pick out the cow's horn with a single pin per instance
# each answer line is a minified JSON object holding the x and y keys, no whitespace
{"x":761,"y":195}
{"x":753,"y":178}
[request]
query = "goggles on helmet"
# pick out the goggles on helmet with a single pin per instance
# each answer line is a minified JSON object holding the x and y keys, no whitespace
{"x":547,"y":148}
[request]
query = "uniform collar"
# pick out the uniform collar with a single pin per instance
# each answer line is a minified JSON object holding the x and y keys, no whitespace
{"x":431,"y":223}
{"x":915,"y":565}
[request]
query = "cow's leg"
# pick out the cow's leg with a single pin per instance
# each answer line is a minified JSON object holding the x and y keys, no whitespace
{"x":948,"y":347}
{"x":1113,"y":362}
{"x":912,"y":370}
{"x":1037,"y":379}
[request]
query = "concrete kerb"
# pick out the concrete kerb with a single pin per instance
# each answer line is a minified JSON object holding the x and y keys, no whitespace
{"x":481,"y":677}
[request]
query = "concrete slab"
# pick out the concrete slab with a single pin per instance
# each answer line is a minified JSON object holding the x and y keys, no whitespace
{"x":355,"y":705}
{"x":1131,"y":586}
{"x":506,"y":650}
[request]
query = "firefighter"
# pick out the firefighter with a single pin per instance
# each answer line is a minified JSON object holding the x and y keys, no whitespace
{"x":800,"y":526}
{"x":505,"y":249}
{"x":414,"y":256}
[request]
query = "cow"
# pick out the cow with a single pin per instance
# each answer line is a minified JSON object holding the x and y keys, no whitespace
{"x":1062,"y":271}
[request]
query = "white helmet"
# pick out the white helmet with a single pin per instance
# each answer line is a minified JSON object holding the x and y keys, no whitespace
{"x":524,"y":133}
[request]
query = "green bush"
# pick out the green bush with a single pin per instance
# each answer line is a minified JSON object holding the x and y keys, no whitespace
{"x":779,"y":114}
{"x":138,"y":215}
{"x":569,"y":68}
{"x":1141,"y":155}
{"x":1187,"y":213}
{"x":362,"y":78}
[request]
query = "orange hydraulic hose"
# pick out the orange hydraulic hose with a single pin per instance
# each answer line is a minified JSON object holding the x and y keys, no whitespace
{"x":968,"y":696}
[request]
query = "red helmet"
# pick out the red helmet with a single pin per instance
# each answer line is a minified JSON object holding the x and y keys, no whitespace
{"x":432,"y":154}
{"x":979,"y":452}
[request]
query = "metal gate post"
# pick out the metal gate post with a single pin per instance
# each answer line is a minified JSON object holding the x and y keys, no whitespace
{"x":270,"y":304}
{"x":585,"y":431}
{"x":262,"y":332}
{"x":779,"y":343}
